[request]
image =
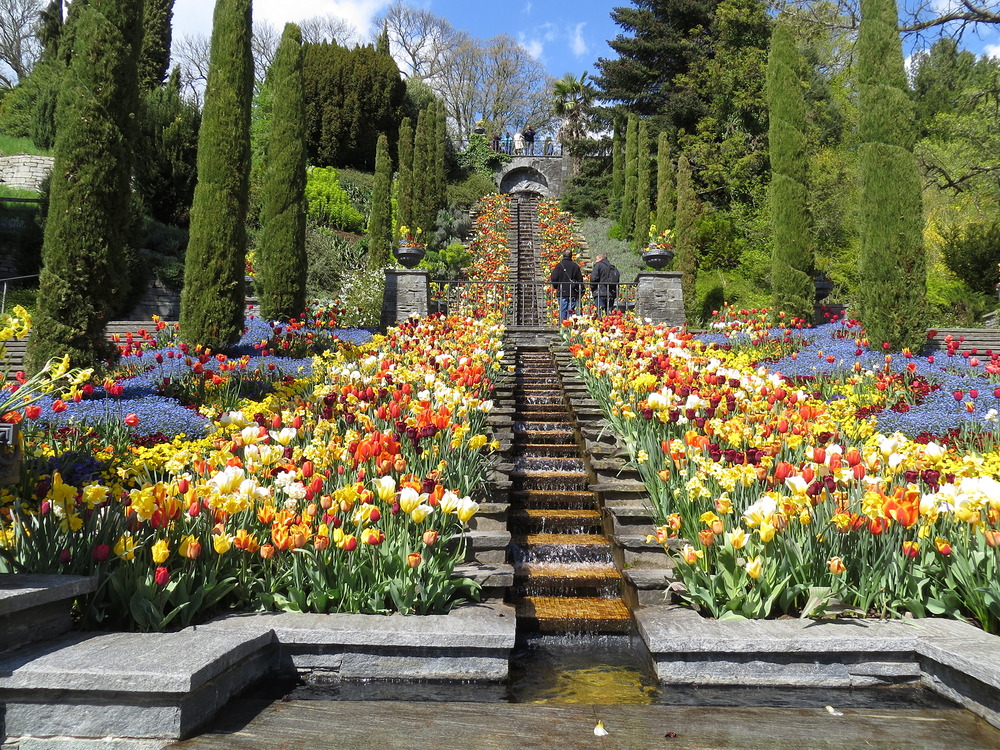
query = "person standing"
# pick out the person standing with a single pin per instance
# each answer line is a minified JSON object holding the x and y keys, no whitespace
{"x":518,"y":143}
{"x":568,"y":282}
{"x":529,"y":140}
{"x":604,"y":284}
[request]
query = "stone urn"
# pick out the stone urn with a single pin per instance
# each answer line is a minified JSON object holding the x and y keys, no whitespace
{"x":823,"y":286}
{"x":409,"y":256}
{"x":657,"y":258}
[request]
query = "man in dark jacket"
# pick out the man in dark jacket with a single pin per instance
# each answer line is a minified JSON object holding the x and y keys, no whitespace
{"x":568,"y":281}
{"x":604,"y":284}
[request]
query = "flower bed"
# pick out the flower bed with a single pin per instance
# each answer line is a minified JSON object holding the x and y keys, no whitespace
{"x":339,"y":483}
{"x":797,"y":471}
{"x":490,"y":263}
{"x":559,"y":232}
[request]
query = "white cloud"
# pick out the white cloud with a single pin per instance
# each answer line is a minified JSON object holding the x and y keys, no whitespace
{"x":992,"y":50}
{"x":576,"y":41}
{"x":527,"y":9}
{"x":535,"y":47}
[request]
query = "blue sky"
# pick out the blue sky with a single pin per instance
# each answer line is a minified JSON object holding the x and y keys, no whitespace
{"x":567,"y":36}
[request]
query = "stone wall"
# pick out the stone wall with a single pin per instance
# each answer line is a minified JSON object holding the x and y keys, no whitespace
{"x":24,"y":171}
{"x":158,"y":300}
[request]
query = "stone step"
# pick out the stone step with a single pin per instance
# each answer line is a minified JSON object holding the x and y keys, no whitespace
{"x":36,"y":607}
{"x":550,"y":614}
{"x":553,"y":498}
{"x":139,"y":685}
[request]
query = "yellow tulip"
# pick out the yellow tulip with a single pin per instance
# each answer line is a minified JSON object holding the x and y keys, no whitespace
{"x":467,"y":508}
{"x":421,"y":512}
{"x":737,"y":538}
{"x":755,"y":567}
{"x":222,"y":543}
{"x":161,"y":551}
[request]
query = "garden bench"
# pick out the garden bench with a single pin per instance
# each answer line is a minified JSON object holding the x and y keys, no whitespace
{"x":15,"y":348}
{"x":985,"y":341}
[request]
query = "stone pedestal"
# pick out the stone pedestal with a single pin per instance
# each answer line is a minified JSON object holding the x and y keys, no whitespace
{"x":658,"y":297}
{"x":407,"y":292}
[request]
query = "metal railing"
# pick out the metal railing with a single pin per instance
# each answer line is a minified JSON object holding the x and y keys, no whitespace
{"x":522,"y":303}
{"x":3,"y":301}
{"x":541,"y":147}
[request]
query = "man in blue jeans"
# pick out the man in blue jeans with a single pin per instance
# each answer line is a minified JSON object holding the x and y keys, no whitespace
{"x":568,"y":282}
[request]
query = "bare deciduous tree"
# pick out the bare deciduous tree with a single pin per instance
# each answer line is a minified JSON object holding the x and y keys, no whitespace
{"x":19,"y":47}
{"x":421,"y":42}
{"x":329,"y":28}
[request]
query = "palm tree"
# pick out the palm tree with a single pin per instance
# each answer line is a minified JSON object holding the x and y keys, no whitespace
{"x":571,"y":98}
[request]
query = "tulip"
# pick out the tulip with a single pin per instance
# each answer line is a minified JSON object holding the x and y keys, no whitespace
{"x":467,"y":508}
{"x":430,"y":537}
{"x":266,"y":551}
{"x":911,"y":549}
{"x":161,"y":576}
{"x":161,"y":551}
{"x":755,"y":567}
{"x":413,"y":559}
{"x":836,"y":565}
{"x":131,"y":420}
{"x":101,"y":552}
{"x":992,"y":537}
{"x":942,"y":545}
{"x":690,"y":555}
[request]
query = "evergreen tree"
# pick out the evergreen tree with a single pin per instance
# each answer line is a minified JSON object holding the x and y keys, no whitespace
{"x":892,"y":295}
{"x":165,"y":167}
{"x":352,"y":95}
{"x":686,"y":239}
{"x":666,"y":192}
{"x":627,"y":219}
{"x":380,"y":220}
{"x":660,"y":43}
{"x":89,"y":204}
{"x":47,"y":75}
{"x":382,"y":43}
{"x":213,"y":296}
{"x":640,"y":231}
{"x":155,"y":58}
{"x":440,"y":173}
{"x":281,"y":252}
{"x":422,"y":165}
{"x":792,"y":290}
{"x":617,"y":168}
{"x":404,"y":185}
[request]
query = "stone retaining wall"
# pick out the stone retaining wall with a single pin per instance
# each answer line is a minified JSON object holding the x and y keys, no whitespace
{"x":24,"y":171}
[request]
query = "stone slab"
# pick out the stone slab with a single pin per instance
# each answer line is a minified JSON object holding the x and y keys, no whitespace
{"x":23,"y":591}
{"x":130,"y":685}
{"x":488,"y":624}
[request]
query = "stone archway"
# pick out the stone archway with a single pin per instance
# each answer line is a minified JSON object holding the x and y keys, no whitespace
{"x":524,"y":180}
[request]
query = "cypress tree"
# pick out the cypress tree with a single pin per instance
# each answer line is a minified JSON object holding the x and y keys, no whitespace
{"x":281,"y":252}
{"x":440,"y":177}
{"x":892,"y":295}
{"x":155,"y":57}
{"x":686,"y":238}
{"x":666,"y":191}
{"x":86,"y":233}
{"x":792,"y":290}
{"x":404,"y":185}
{"x":640,"y":231}
{"x":213,"y":296}
{"x":422,"y":164}
{"x":627,"y":219}
{"x":380,"y":220}
{"x":48,"y":73}
{"x":617,"y":168}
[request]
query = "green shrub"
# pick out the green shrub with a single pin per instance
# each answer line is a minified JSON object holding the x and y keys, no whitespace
{"x":329,"y":203}
{"x":448,"y":263}
{"x":329,"y":255}
{"x":466,"y":194}
{"x":972,"y":253}
{"x":479,"y":158}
